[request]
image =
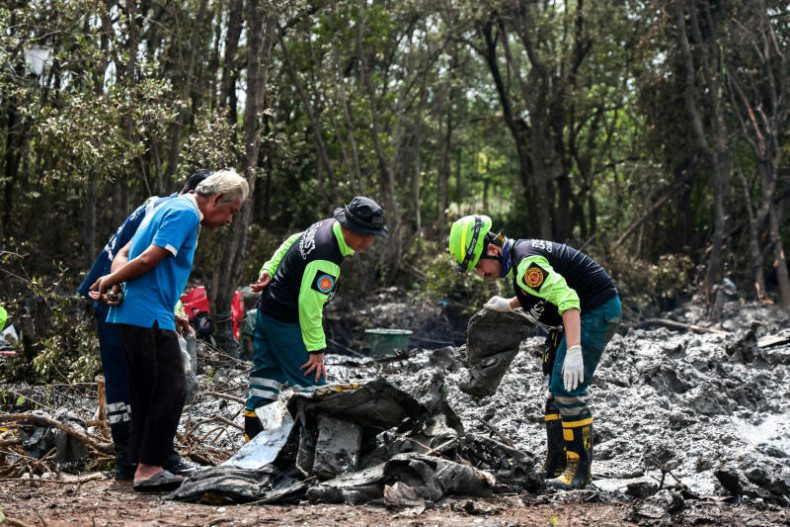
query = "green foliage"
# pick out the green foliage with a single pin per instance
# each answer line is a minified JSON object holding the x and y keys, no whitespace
{"x":652,"y":285}
{"x":406,"y":105}
{"x":65,"y":347}
{"x":439,"y":282}
{"x":70,"y":356}
{"x":211,"y":145}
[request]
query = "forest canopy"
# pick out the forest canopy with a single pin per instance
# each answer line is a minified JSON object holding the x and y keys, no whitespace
{"x":646,"y":133}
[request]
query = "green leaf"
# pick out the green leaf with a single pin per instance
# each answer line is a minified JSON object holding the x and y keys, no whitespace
{"x":20,"y":401}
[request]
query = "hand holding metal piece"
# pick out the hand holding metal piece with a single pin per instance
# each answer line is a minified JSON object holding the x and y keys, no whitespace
{"x":101,"y":290}
{"x":114,"y":296}
{"x":499,"y":304}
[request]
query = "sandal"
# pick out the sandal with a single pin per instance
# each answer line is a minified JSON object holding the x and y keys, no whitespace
{"x":159,"y":482}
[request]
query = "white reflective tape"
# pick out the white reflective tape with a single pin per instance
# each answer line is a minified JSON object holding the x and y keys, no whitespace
{"x":266,"y":383}
{"x":116,"y":407}
{"x":263,"y":394}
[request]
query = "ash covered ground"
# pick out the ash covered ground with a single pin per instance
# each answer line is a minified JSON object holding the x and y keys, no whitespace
{"x":701,"y":414}
{"x":705,"y":411}
{"x":708,"y":410}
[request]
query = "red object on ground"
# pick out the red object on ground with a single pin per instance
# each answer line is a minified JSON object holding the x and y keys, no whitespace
{"x":195,"y":301}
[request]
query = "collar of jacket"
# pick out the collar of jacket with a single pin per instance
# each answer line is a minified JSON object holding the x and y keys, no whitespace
{"x":345,"y":250}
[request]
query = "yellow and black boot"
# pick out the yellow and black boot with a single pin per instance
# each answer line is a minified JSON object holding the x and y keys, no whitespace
{"x":555,"y":442}
{"x":578,"y":455}
{"x":252,"y":425}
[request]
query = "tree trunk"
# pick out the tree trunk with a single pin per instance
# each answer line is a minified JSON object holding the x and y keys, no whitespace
{"x":394,"y":248}
{"x":315,"y":128}
{"x":534,"y":193}
{"x":357,"y":182}
{"x":228,"y":97}
{"x":89,"y":208}
{"x":261,"y":34}
{"x":186,"y":90}
{"x":780,"y":262}
{"x":718,"y":159}
{"x":445,"y":112}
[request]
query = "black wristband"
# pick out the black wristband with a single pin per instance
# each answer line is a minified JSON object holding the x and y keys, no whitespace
{"x":316,"y":352}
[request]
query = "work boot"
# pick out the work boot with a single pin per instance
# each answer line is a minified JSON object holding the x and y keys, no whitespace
{"x":578,"y":455}
{"x":252,"y":425}
{"x":555,"y":443}
{"x":124,"y":469}
{"x":179,"y":466}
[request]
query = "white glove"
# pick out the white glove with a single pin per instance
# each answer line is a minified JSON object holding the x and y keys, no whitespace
{"x":573,"y":368}
{"x":498,"y":303}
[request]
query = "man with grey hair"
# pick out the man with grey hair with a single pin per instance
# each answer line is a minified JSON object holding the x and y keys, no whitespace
{"x":155,"y":267}
{"x":116,"y":377}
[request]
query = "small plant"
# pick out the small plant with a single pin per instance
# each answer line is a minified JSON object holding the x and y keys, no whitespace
{"x":60,"y":342}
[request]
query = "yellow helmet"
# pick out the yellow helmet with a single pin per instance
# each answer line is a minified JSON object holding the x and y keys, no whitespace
{"x":466,"y":241}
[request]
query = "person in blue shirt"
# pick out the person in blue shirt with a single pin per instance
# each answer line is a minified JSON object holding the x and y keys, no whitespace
{"x":154,"y":268}
{"x":116,"y":377}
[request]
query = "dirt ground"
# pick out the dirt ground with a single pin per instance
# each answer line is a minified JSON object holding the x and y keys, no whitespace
{"x":95,"y":500}
{"x":695,"y":403}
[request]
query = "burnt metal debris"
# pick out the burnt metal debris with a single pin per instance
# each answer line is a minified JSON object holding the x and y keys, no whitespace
{"x":364,"y":443}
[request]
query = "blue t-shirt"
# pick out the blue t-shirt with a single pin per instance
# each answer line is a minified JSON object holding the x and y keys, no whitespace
{"x":152,"y":297}
{"x":102,"y":265}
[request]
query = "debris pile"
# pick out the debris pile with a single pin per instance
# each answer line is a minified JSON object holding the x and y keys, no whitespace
{"x":679,"y":414}
{"x":363,"y":443}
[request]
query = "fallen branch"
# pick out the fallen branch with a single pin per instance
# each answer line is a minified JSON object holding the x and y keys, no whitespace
{"x":16,"y":523}
{"x":228,"y":422}
{"x":501,"y":437}
{"x":226,"y":396}
{"x":650,"y":460}
{"x":43,"y":420}
{"x":679,"y":325}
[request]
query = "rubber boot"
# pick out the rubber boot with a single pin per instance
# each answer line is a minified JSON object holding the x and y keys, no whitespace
{"x":252,"y":425}
{"x":555,"y":443}
{"x":124,"y":469}
{"x":578,"y":452}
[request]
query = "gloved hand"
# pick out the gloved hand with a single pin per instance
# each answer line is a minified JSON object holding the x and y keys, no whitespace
{"x":573,"y":368}
{"x":498,"y":303}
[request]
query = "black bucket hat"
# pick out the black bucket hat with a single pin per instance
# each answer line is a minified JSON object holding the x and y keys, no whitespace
{"x":362,"y":216}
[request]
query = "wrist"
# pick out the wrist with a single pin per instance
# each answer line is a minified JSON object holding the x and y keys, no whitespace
{"x":317,"y":352}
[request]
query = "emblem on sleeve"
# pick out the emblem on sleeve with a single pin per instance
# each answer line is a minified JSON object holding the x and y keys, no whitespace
{"x":534,"y":277}
{"x":324,"y":283}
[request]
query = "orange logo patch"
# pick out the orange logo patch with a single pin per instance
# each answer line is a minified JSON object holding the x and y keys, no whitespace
{"x":324,"y":283}
{"x":534,"y":277}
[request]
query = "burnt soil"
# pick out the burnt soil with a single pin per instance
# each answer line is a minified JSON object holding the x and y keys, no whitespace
{"x":692,"y":429}
{"x":105,"y":502}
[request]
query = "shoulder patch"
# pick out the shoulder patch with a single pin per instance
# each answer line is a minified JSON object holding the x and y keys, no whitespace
{"x":535,"y":276}
{"x":324,"y":282}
